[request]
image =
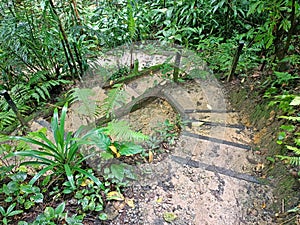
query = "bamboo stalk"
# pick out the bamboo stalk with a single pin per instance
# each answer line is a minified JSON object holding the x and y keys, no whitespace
{"x":65,"y":38}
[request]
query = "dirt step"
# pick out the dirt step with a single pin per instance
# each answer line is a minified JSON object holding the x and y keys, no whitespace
{"x":219,"y":134}
{"x":226,"y":117}
{"x":197,"y":195}
{"x":229,"y":157}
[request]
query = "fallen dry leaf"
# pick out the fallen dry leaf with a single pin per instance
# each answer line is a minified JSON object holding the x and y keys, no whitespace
{"x":119,"y":205}
{"x":115,"y":151}
{"x":86,"y":182}
{"x":159,"y":200}
{"x":259,"y":167}
{"x":114,"y":195}
{"x":130,"y":202}
{"x":150,"y":156}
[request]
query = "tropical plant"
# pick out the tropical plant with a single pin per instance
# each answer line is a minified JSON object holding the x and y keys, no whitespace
{"x":52,"y":216}
{"x":291,"y":131}
{"x":278,"y":25}
{"x":9,"y":212}
{"x":62,"y":157}
{"x":88,"y":106}
{"x":115,"y":98}
{"x":26,"y":195}
{"x":121,"y":131}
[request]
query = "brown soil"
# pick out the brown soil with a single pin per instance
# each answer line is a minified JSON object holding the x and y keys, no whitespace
{"x":215,"y":174}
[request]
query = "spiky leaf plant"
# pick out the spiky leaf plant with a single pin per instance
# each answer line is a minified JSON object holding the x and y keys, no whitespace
{"x":62,"y":156}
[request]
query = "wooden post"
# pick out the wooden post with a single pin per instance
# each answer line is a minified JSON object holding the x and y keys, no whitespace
{"x":177,"y":65}
{"x":235,"y":61}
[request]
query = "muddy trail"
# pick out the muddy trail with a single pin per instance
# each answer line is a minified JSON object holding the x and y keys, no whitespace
{"x":212,"y":175}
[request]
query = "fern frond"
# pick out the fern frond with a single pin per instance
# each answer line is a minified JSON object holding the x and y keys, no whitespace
{"x":37,"y":77}
{"x":121,"y":131}
{"x":115,"y":97}
{"x":293,"y":160}
{"x":294,"y":149}
{"x":7,"y":118}
{"x":83,"y":95}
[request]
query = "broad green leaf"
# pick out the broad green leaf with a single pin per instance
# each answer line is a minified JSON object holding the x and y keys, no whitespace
{"x":2,"y":211}
{"x":38,"y":198}
{"x":10,"y":208}
{"x":32,"y":141}
{"x":44,"y":138}
{"x":62,"y":123}
{"x":85,"y":203}
{"x":106,"y":155}
{"x":103,"y":216}
{"x":130,"y":149}
{"x":26,"y":188}
{"x":54,"y":126}
{"x":13,"y":213}
{"x":60,"y":208}
{"x":117,"y":171}
{"x":100,"y":139}
{"x":288,"y":128}
{"x":13,"y":186}
{"x":49,"y":213}
{"x":28,"y":204}
{"x":281,"y":135}
{"x":20,"y":176}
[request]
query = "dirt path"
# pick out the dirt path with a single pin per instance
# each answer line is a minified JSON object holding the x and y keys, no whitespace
{"x":208,"y":178}
{"x":212,"y":175}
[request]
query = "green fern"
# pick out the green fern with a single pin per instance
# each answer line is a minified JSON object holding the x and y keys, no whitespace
{"x":26,"y":95}
{"x":293,"y":160}
{"x":88,"y":106}
{"x":121,"y":131}
{"x":7,"y":119}
{"x":41,"y":90}
{"x":115,"y":98}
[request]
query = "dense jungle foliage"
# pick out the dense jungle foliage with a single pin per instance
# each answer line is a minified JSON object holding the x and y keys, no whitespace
{"x":46,"y":47}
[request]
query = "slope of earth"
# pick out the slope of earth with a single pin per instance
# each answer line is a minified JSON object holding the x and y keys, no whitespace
{"x":212,"y":176}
